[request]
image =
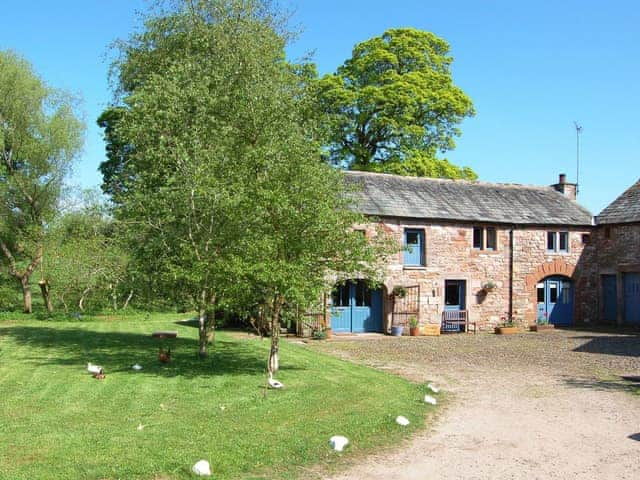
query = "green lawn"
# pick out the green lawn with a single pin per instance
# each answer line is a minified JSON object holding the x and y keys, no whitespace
{"x":57,"y":422}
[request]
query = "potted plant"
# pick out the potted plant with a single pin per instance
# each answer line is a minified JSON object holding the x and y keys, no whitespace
{"x":542,"y":325}
{"x":490,"y":286}
{"x":399,"y":291}
{"x":319,"y":334}
{"x":507,"y":325}
{"x":414,"y":329}
{"x":397,"y":330}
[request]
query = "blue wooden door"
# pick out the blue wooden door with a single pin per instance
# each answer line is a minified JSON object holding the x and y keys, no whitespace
{"x":454,"y":299}
{"x":631,"y":283}
{"x":414,"y":247}
{"x":555,"y":301}
{"x":454,"y":294}
{"x":356,"y":308}
{"x":609,"y":298}
{"x":341,"y":308}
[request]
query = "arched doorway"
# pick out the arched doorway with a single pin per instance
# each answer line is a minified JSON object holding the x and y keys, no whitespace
{"x":555,"y":300}
{"x":356,"y":308}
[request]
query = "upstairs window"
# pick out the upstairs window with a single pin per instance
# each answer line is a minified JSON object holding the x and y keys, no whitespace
{"x":414,"y":248}
{"x":492,"y":238}
{"x":485,"y":238}
{"x":478,"y":238}
{"x":557,"y":242}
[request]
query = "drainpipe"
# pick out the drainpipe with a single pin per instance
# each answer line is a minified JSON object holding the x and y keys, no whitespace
{"x":511,"y":245}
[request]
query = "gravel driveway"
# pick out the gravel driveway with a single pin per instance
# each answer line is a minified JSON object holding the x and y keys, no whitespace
{"x":542,"y":406}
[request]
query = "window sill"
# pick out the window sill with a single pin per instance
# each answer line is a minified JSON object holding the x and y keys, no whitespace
{"x":414,"y":267}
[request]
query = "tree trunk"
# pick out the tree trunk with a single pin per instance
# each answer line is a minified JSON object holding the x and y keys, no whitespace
{"x":202,"y":334}
{"x":274,"y":359}
{"x":46,"y":294}
{"x":126,"y":302}
{"x":26,"y":293}
{"x":82,"y":297}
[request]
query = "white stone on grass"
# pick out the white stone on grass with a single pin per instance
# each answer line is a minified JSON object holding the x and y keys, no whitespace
{"x":433,"y":388}
{"x":338,"y":442}
{"x":202,"y":468}
{"x":136,"y":367}
{"x":404,"y":421}
{"x":430,"y":400}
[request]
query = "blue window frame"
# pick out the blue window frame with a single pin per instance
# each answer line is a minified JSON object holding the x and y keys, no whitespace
{"x":414,"y":247}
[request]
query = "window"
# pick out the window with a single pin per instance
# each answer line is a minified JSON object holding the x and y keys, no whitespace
{"x":478,"y":240}
{"x":586,"y":238}
{"x":485,"y":238}
{"x":557,"y":242}
{"x":540,"y":289}
{"x":564,"y":241}
{"x":414,"y":248}
{"x":340,"y":296}
{"x":363,"y":294}
{"x":491,"y":238}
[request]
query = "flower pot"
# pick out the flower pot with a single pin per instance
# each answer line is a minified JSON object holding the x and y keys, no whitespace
{"x":546,"y":327}
{"x":397,"y":331}
{"x":506,"y":330}
{"x":414,"y":331}
{"x":329,"y":332}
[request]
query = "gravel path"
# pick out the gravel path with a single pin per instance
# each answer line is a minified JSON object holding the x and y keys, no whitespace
{"x":541,"y":406}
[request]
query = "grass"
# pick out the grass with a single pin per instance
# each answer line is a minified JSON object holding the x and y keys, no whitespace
{"x":57,"y":422}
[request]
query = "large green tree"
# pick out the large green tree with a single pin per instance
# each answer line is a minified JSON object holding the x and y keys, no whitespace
{"x":227,"y":200}
{"x":40,"y":135}
{"x":393,"y":106}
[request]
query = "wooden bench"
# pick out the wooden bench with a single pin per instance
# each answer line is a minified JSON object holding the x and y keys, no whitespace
{"x":453,"y":320}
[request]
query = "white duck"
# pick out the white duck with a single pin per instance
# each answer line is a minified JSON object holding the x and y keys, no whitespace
{"x":429,"y":399}
{"x":433,"y":388}
{"x":273,"y":383}
{"x":338,"y":442}
{"x":94,"y":369}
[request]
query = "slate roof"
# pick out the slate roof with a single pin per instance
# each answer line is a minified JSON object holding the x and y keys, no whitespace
{"x":624,"y":209}
{"x":385,"y":195}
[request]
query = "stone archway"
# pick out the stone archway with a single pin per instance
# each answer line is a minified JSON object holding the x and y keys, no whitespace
{"x":556,"y":268}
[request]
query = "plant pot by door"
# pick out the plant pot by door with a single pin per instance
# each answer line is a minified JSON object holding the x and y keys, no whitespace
{"x":397,"y":331}
{"x":547,"y":327}
{"x":414,"y":331}
{"x":506,"y":330}
{"x":329,"y":332}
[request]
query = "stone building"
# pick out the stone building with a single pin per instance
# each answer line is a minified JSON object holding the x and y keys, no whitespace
{"x":490,"y":251}
{"x":609,"y":270}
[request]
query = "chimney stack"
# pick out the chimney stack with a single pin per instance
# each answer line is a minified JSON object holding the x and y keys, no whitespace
{"x":569,"y":190}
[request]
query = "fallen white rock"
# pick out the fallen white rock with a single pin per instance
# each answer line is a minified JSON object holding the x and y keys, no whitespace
{"x":338,"y":442}
{"x":404,"y":421}
{"x":429,"y":399}
{"x":202,"y":468}
{"x":433,"y":388}
{"x":136,"y":367}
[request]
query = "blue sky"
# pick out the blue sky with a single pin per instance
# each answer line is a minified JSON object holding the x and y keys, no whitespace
{"x":531,"y":69}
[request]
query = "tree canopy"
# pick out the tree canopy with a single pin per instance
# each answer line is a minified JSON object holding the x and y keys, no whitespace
{"x":40,"y":135}
{"x":393,"y":106}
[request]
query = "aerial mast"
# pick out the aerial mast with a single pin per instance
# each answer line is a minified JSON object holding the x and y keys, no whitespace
{"x":578,"y":132}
